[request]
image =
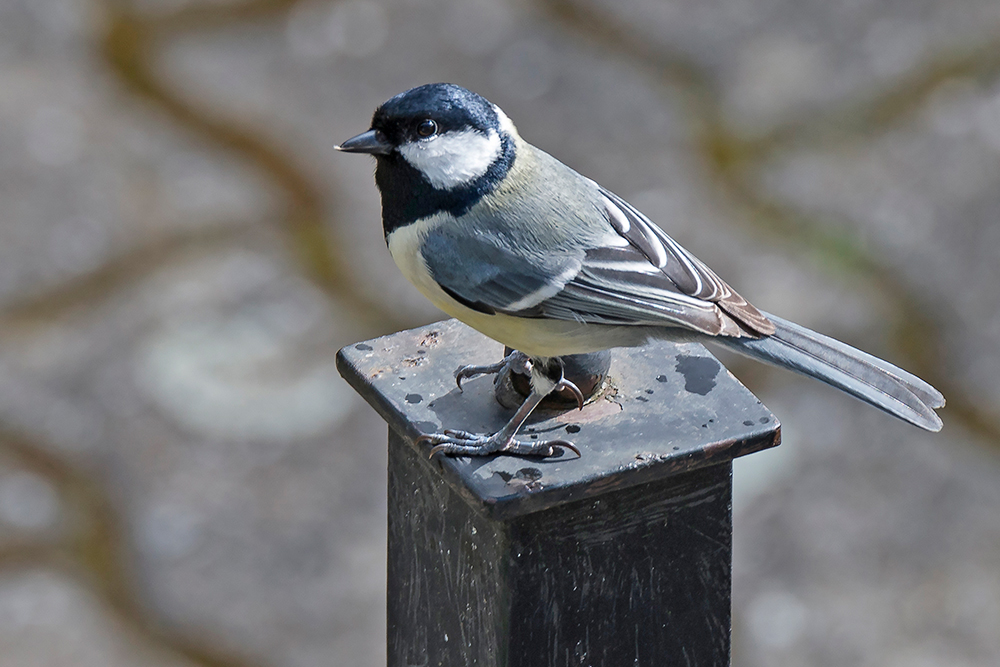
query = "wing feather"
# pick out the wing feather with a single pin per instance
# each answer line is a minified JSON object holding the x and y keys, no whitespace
{"x":629,"y":272}
{"x":689,"y":274}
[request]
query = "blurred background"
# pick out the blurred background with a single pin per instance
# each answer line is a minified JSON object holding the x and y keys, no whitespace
{"x":185,"y":479}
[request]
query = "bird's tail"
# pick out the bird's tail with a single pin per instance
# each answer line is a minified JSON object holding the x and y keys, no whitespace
{"x":858,"y":373}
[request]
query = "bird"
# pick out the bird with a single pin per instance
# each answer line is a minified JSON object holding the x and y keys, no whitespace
{"x":506,"y":238}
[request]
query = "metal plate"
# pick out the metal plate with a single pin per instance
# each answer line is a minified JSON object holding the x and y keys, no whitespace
{"x":668,"y":408}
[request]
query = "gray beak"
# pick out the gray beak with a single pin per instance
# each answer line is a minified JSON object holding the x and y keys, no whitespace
{"x":370,"y":142}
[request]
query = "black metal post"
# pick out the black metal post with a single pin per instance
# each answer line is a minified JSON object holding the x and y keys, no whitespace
{"x":620,"y":557}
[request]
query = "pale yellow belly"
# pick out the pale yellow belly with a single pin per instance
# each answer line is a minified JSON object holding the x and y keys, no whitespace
{"x":534,"y":336}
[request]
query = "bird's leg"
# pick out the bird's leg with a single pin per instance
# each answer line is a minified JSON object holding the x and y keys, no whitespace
{"x":462,"y":443}
{"x":516,"y":362}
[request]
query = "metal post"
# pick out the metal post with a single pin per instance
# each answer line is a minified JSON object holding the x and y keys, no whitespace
{"x":620,"y":557}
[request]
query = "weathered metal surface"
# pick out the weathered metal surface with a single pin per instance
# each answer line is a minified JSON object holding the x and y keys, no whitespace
{"x":448,"y":594}
{"x":642,"y":576}
{"x":619,"y":557}
{"x":638,"y":576}
{"x":668,"y":409}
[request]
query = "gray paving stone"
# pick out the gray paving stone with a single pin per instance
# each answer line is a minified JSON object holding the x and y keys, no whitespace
{"x":50,"y":619}
{"x":878,"y":553}
{"x":86,"y":173}
{"x":200,"y":393}
{"x":250,"y":483}
{"x":775,"y":60}
{"x":923,"y":197}
{"x":31,"y":509}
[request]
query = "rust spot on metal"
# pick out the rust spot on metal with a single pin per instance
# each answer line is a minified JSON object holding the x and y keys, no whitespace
{"x":430,"y":339}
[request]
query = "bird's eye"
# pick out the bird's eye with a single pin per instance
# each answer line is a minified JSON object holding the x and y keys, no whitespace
{"x":427,"y":127}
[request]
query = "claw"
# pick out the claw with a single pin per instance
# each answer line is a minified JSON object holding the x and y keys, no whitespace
{"x":568,"y":445}
{"x":466,"y":372}
{"x":436,"y":449}
{"x":462,"y":443}
{"x":559,"y":443}
{"x":454,"y":442}
{"x":566,"y":384}
{"x":543,"y":449}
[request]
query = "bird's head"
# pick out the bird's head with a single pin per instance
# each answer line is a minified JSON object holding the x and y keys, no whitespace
{"x":437,"y":145}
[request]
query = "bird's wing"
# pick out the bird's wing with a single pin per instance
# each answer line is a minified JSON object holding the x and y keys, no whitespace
{"x":685,"y":271}
{"x":487,"y":273}
{"x":636,"y":275}
{"x":642,"y":276}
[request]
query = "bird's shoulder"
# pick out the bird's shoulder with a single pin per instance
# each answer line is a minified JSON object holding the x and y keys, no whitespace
{"x":544,"y":199}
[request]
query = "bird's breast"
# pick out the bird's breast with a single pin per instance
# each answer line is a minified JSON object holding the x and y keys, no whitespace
{"x":405,"y":247}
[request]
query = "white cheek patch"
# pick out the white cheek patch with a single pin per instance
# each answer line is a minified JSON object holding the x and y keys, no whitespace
{"x":453,"y":159}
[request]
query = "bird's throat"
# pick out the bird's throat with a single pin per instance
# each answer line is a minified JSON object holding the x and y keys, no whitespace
{"x":408,"y":196}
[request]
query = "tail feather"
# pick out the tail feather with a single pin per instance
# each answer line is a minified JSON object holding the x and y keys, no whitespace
{"x":867,"y":377}
{"x":930,"y":396}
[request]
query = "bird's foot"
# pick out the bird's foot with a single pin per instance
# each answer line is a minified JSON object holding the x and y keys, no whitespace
{"x":462,"y":443}
{"x":515,"y":362}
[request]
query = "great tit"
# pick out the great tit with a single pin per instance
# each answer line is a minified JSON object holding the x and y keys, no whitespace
{"x":517,"y":245}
